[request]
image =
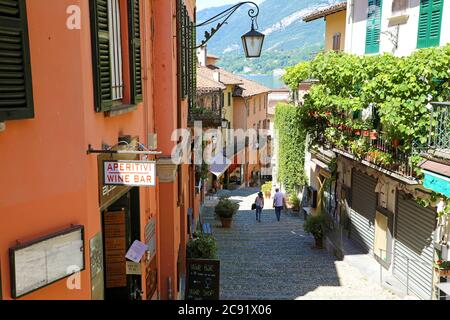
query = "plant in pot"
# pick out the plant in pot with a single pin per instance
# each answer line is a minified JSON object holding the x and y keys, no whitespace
{"x":359,"y":148}
{"x":315,"y":225}
{"x":204,"y":246}
{"x":226,"y":209}
{"x":295,"y":202}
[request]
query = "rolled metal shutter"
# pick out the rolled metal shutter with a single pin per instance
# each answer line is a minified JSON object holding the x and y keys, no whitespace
{"x":413,"y":250}
{"x":362,"y":214}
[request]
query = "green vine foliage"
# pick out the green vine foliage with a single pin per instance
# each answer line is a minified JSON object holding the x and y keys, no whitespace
{"x":291,"y":144}
{"x":399,"y":89}
{"x":296,"y":74}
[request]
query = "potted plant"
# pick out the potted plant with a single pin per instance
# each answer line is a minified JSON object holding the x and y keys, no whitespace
{"x":373,"y":135}
{"x":203,"y":246}
{"x":226,"y":209}
{"x":359,"y":148}
{"x":315,"y":225}
{"x":295,"y":203}
{"x":442,"y":267}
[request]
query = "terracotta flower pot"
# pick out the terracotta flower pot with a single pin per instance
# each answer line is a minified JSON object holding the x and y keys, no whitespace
{"x":373,"y":135}
{"x":395,"y":143}
{"x":358,"y":132}
{"x":366,"y":133}
{"x":226,"y":222}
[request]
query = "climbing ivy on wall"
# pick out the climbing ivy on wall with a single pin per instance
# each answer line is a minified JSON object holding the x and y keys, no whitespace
{"x":398,"y":88}
{"x":291,"y":146}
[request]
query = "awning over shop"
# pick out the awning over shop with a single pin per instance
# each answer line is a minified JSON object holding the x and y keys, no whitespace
{"x":436,"y":176}
{"x":219,"y":165}
{"x":437,"y":183}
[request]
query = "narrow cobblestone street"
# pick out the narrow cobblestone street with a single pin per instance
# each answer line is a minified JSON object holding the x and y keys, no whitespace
{"x":276,"y":260}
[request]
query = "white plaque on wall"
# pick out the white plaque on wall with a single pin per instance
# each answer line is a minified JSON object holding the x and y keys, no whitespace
{"x":42,"y":262}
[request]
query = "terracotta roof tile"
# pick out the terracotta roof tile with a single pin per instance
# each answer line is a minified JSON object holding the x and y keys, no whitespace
{"x":207,"y":84}
{"x":321,"y":13}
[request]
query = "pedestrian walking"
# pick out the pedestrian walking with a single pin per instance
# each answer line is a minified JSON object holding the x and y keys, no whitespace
{"x":278,"y":203}
{"x":259,"y":202}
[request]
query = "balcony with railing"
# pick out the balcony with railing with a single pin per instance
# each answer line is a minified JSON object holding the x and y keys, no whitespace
{"x":210,"y":118}
{"x":439,"y":137}
{"x":208,"y":109}
{"x":373,"y":148}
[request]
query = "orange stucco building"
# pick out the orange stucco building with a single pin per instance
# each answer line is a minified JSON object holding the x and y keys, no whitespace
{"x":102,"y":74}
{"x":246,"y":108}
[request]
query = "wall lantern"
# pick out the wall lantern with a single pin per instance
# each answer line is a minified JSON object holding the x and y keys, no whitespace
{"x":252,"y":41}
{"x":224,"y":124}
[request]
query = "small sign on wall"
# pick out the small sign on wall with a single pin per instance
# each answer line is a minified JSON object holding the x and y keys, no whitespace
{"x":129,"y":173}
{"x":97,"y":270}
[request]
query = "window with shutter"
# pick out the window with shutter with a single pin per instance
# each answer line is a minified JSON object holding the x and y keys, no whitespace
{"x":101,"y":54}
{"x":337,"y":41}
{"x":430,"y":20}
{"x":136,"y":51}
{"x":373,"y":30}
{"x":187,"y":68}
{"x":107,"y":25}
{"x":16,"y":96}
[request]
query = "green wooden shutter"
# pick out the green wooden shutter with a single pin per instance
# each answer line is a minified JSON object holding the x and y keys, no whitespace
{"x":422,"y":35}
{"x":373,"y":29}
{"x":16,"y":96}
{"x":136,"y":51}
{"x":101,"y":55}
{"x":435,"y":23}
{"x":430,"y":20}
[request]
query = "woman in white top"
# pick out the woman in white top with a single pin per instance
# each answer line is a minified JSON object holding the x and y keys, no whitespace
{"x":259,"y":201}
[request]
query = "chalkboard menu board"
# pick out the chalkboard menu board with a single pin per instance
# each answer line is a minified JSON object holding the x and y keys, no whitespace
{"x":203,"y":281}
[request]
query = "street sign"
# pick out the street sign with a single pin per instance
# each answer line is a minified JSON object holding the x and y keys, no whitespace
{"x":203,"y":279}
{"x":129,"y":173}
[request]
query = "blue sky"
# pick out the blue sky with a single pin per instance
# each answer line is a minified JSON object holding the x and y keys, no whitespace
{"x":202,"y":4}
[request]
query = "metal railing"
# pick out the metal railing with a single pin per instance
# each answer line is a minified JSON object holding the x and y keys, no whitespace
{"x":208,"y":116}
{"x":439,"y":137}
{"x":385,"y":154}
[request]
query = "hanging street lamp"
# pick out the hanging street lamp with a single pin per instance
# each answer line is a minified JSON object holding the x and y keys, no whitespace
{"x":252,"y":41}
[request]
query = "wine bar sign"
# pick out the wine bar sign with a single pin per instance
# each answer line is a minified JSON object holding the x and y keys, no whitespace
{"x":129,"y":173}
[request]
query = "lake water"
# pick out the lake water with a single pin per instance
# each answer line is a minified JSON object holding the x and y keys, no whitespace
{"x":272,"y":82}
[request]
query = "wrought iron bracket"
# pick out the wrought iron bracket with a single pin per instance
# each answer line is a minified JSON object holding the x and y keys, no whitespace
{"x":223,"y":18}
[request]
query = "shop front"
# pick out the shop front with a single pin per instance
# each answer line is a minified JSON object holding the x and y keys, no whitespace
{"x":123,"y":278}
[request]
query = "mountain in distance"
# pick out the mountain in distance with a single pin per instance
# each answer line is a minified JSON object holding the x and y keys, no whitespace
{"x":288,"y":40}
